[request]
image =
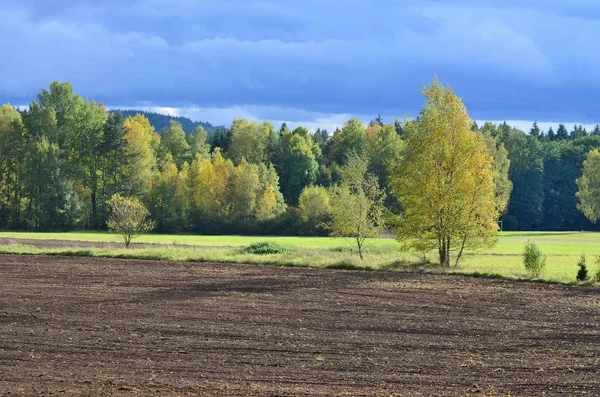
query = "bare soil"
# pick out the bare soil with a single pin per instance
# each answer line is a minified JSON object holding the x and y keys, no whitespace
{"x":99,"y":327}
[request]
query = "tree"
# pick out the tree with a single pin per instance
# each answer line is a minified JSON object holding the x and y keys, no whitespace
{"x":383,"y":150}
{"x":244,"y":191}
{"x":297,"y":165}
{"x":561,"y":133}
{"x":589,"y":187}
{"x":128,"y":217}
{"x":357,"y":209}
{"x":12,"y":172}
{"x":86,"y":122}
{"x":352,"y":138}
{"x":113,"y":162}
{"x":525,"y":209}
{"x":578,"y":132}
{"x":140,"y":155}
{"x":445,"y":180}
{"x":502,"y":184}
{"x":315,"y":207}
{"x":535,"y":131}
{"x":248,"y":141}
{"x":174,"y":142}
{"x":199,"y":144}
{"x":52,"y":202}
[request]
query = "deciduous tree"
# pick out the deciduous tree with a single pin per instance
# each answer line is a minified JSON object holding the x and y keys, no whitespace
{"x":589,"y":187}
{"x":128,"y":217}
{"x":357,"y":209}
{"x":445,"y":180}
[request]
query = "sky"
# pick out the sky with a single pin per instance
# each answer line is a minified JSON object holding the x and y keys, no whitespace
{"x":310,"y":62}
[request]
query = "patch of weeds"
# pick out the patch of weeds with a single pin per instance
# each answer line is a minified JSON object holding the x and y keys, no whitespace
{"x":267,"y":248}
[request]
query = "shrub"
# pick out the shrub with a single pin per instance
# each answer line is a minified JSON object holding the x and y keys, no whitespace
{"x":582,"y":274}
{"x":267,"y":248}
{"x":128,"y":217}
{"x":533,"y":260}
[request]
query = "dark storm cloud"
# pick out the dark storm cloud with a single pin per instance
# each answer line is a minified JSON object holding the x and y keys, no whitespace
{"x":508,"y":60}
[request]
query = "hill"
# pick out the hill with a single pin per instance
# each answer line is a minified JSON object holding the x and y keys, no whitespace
{"x":161,"y":121}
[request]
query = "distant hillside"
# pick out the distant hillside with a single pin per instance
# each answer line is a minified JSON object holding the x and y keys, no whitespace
{"x":161,"y":121}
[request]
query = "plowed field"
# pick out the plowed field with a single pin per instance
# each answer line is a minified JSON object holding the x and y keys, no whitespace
{"x":95,"y":327}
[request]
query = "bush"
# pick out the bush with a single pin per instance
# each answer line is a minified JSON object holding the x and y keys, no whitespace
{"x":597,"y":274}
{"x":582,"y":274}
{"x":533,"y":260}
{"x":128,"y":217}
{"x":267,"y":248}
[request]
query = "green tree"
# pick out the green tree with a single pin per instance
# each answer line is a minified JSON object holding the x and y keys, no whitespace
{"x":52,"y":202}
{"x":352,"y":138}
{"x":535,"y":131}
{"x":357,"y":209}
{"x":561,"y":133}
{"x":112,"y":163}
{"x":384,"y":147}
{"x":315,"y":208}
{"x":12,"y":151}
{"x":199,"y":144}
{"x":502,"y":184}
{"x":297,"y":165}
{"x":249,"y":141}
{"x":525,"y":209}
{"x":445,"y":180}
{"x":128,"y":217}
{"x":173,"y":140}
{"x":85,"y":122}
{"x":589,"y":187}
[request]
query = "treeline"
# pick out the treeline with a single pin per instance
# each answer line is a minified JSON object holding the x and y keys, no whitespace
{"x":64,"y":157}
{"x":543,"y":169}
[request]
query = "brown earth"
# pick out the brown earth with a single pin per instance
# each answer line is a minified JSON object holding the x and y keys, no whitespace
{"x":96,"y":327}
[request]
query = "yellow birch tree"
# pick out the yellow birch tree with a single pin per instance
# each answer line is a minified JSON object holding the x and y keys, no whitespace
{"x":445,"y":180}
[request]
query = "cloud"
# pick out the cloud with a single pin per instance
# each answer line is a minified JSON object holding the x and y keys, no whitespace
{"x":507,"y":60}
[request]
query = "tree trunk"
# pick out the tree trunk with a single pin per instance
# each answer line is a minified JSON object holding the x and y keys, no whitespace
{"x":444,"y":251}
{"x":359,"y":243}
{"x":462,"y":247}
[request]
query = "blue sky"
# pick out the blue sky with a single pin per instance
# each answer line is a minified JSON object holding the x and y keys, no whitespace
{"x":315,"y":62}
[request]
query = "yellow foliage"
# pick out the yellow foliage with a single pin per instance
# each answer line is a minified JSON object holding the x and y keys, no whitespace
{"x":445,"y":180}
{"x":139,"y":139}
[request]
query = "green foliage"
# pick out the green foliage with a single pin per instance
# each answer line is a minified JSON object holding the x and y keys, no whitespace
{"x":267,"y":248}
{"x":589,"y":187}
{"x":352,"y":138}
{"x":128,"y":217}
{"x":296,"y":164}
{"x":357,"y":204}
{"x":90,"y":154}
{"x":533,"y":260}
{"x":172,"y":139}
{"x":315,"y":208}
{"x":582,"y":273}
{"x":249,"y":141}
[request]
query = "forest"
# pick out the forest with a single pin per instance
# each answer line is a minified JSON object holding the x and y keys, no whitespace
{"x":64,"y":157}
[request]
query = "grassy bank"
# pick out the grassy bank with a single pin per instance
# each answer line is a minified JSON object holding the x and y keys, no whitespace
{"x":562,"y":250}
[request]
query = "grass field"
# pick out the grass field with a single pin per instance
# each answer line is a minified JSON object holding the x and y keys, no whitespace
{"x":562,"y":249}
